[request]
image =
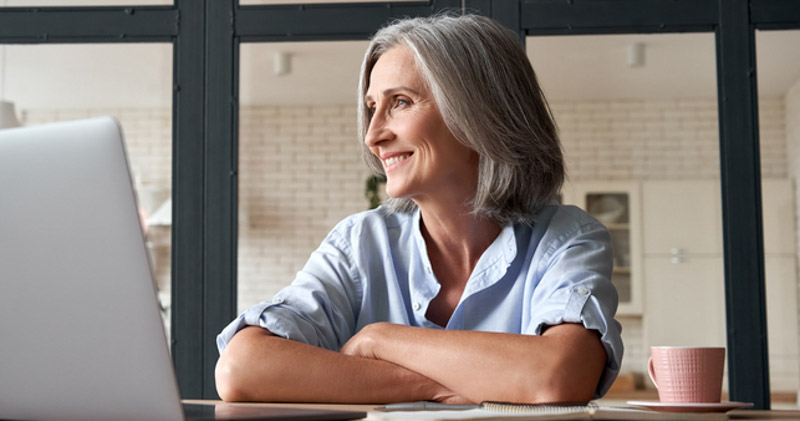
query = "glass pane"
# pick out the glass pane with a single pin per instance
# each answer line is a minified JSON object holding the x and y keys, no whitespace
{"x":638,"y":121}
{"x":778,"y":61}
{"x":300,"y":161}
{"x":131,"y":82}
{"x":613,"y":210}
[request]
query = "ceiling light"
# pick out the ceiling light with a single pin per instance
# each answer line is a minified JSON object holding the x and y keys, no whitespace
{"x":636,"y":54}
{"x":281,"y":63}
{"x":8,"y":117}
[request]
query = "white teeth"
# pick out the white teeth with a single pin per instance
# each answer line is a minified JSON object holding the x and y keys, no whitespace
{"x":395,"y":159}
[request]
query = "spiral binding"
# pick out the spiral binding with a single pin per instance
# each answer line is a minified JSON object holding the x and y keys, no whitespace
{"x":542,"y":408}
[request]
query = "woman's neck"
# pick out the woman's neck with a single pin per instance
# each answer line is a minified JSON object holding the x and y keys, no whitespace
{"x":456,"y":236}
{"x":455,"y":240}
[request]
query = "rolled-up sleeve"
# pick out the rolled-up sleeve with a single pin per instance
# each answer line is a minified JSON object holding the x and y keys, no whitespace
{"x":319,"y":307}
{"x":251,"y":317}
{"x":575,"y":287}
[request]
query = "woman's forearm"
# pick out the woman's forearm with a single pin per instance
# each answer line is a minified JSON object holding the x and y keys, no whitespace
{"x":564,"y":364}
{"x":257,"y":366}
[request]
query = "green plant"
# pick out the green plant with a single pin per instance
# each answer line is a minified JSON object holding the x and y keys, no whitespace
{"x":372,"y":190}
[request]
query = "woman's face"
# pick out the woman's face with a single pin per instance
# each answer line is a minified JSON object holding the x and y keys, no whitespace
{"x":421,"y":158}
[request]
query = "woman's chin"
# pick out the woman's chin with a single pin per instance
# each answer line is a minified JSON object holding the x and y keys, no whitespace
{"x":402,"y":188}
{"x":393,"y":192}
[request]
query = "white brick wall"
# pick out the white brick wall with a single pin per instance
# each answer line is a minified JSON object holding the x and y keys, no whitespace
{"x":632,"y":337}
{"x":668,"y":139}
{"x":300,"y":173}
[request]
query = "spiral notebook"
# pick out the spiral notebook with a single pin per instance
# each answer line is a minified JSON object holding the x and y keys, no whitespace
{"x":500,"y":410}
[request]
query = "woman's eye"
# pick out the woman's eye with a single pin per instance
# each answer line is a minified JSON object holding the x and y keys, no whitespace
{"x":399,"y":102}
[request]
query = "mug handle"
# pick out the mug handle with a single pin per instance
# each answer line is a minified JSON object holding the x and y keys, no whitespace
{"x":651,"y":372}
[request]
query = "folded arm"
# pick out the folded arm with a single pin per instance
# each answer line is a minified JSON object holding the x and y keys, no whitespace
{"x":563,"y":364}
{"x":258,"y":366}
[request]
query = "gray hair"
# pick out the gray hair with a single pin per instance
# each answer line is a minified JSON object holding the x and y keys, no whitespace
{"x":489,"y":98}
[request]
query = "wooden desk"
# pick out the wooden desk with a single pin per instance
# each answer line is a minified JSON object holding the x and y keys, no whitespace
{"x":775,"y":414}
{"x":741,"y":414}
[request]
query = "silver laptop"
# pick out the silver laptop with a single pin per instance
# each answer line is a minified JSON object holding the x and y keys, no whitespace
{"x":81,"y":335}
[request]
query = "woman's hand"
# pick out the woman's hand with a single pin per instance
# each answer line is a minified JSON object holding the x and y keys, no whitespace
{"x":367,"y":342}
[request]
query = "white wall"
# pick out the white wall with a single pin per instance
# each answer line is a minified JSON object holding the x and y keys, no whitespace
{"x":792,"y":119}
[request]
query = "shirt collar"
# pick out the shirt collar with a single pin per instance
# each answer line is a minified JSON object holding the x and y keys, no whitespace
{"x":491,"y":266}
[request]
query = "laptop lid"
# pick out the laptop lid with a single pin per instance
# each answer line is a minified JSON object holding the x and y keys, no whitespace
{"x":80,"y":321}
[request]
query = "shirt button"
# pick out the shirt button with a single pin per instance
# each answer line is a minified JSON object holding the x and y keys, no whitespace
{"x":428,"y":269}
{"x":277,"y":300}
{"x":417,"y":306}
{"x":583,"y":291}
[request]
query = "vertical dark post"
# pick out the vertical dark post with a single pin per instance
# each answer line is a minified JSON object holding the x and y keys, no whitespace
{"x":504,"y":11}
{"x":204,"y":177}
{"x":188,"y":214}
{"x":508,"y":13}
{"x":748,"y":369}
{"x":219,"y":297}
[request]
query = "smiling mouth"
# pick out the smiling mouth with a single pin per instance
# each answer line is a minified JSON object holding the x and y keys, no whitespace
{"x":395,"y":160}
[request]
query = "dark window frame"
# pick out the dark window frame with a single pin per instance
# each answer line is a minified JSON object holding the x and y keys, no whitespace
{"x":206,"y":35}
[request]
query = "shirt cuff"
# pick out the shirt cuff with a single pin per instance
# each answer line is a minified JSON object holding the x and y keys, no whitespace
{"x":251,"y":317}
{"x":585,"y":308}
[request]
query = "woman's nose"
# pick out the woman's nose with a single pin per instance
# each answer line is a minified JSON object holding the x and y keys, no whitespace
{"x":377,"y":131}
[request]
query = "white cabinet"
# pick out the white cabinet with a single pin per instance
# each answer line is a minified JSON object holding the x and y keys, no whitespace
{"x":682,"y":218}
{"x":685,"y":302}
{"x":684,"y":270}
{"x":781,"y":283}
{"x":781,"y":327}
{"x":778,"y":215}
{"x":617,"y":206}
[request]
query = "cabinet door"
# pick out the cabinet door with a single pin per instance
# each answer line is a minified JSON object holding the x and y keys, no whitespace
{"x":777,"y":197}
{"x":781,"y":286}
{"x":685,"y":302}
{"x":681,"y":217}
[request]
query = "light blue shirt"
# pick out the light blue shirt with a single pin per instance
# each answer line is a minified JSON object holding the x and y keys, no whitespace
{"x":374,"y":267}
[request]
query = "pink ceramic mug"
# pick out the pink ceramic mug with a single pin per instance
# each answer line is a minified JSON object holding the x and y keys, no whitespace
{"x":687,"y":374}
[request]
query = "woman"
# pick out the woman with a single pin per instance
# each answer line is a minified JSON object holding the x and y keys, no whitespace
{"x":469,"y":284}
